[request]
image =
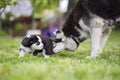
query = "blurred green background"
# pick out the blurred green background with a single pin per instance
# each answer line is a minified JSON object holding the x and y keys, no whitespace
{"x":19,"y":16}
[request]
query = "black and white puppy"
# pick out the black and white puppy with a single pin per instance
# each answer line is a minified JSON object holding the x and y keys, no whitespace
{"x":34,"y":44}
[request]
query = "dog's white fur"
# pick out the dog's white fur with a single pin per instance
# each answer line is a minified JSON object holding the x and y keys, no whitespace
{"x":67,"y":43}
{"x":99,"y":33}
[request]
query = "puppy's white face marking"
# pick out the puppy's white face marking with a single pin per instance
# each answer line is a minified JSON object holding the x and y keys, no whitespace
{"x":27,"y":50}
{"x":24,"y":50}
{"x":37,"y":46}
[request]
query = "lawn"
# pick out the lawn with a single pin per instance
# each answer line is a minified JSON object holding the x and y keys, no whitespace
{"x":63,"y":66}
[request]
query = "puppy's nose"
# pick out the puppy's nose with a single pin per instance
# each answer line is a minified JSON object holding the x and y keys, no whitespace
{"x":38,"y":43}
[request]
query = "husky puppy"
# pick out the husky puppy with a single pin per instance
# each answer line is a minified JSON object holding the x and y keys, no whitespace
{"x":34,"y":44}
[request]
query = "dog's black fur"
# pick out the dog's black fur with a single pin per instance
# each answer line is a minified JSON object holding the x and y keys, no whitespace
{"x":107,"y":9}
{"x":48,"y":45}
{"x":27,"y":42}
{"x":94,"y":17}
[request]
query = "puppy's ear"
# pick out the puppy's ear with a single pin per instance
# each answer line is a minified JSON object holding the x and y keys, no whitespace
{"x":25,"y":42}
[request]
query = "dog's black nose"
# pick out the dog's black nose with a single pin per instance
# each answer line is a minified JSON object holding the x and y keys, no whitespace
{"x":58,"y":31}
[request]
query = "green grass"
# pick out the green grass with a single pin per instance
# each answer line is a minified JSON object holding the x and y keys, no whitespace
{"x":3,"y":33}
{"x":64,"y":66}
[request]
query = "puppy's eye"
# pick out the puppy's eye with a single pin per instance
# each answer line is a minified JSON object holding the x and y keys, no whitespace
{"x":38,"y":43}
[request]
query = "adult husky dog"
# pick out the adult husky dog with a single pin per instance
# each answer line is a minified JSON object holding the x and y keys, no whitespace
{"x":90,"y":16}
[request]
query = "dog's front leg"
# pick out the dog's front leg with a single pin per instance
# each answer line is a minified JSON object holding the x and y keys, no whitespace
{"x":96,"y":38}
{"x":104,"y":37}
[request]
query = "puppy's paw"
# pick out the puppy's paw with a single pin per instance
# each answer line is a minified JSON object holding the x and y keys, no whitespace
{"x":46,"y":57}
{"x":22,"y":53}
